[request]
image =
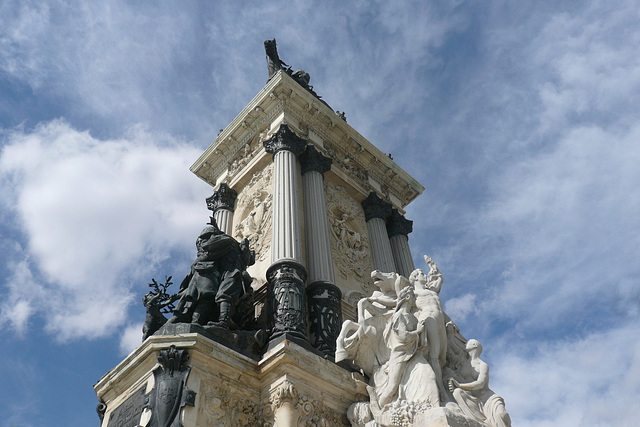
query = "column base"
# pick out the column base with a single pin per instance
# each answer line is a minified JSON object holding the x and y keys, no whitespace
{"x":287,"y":300}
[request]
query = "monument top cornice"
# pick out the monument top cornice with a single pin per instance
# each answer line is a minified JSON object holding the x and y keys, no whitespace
{"x":283,"y":100}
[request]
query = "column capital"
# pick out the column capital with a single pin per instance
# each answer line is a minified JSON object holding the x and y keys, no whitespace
{"x":284,"y":139}
{"x":375,"y":207}
{"x":223,"y":198}
{"x":398,"y":224}
{"x":313,"y":160}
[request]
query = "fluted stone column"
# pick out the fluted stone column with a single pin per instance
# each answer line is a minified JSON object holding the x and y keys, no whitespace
{"x":222,"y":204}
{"x":286,"y":275}
{"x":323,"y":296}
{"x":398,"y":228}
{"x":376,"y":212}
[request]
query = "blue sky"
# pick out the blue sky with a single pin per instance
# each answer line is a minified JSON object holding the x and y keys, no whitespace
{"x":521,"y":119}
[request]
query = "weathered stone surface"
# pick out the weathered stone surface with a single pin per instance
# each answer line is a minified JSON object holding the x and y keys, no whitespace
{"x":232,"y":390}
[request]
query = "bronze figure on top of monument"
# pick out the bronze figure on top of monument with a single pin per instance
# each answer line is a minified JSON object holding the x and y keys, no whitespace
{"x":214,"y":298}
{"x":303,"y":306}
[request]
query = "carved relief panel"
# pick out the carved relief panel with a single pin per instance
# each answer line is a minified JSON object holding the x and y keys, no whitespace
{"x":222,"y":407}
{"x":349,"y":239}
{"x":253,"y":212}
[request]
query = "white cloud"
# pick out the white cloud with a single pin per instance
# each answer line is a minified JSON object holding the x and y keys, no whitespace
{"x":130,"y":339}
{"x":98,"y":217}
{"x":548,"y":225}
{"x":587,"y":381}
{"x":569,"y":228}
{"x":591,"y":68}
{"x":460,"y":307}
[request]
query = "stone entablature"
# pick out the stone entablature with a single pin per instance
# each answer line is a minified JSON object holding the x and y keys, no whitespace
{"x":356,"y":160}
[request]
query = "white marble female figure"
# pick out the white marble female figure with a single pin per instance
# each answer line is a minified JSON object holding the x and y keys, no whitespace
{"x":475,"y":398}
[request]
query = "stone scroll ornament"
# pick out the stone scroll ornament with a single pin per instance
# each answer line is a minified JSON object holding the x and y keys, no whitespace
{"x":170,"y":393}
{"x":401,"y":342}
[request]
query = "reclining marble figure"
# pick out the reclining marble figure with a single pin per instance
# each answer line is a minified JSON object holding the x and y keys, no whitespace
{"x":475,"y":398}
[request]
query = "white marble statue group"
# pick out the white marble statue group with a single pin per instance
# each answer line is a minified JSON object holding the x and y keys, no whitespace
{"x":415,"y":357}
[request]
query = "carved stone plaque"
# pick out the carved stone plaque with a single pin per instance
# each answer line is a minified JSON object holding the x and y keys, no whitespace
{"x":129,"y":412}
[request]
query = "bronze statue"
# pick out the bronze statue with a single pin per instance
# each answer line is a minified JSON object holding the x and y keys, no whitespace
{"x":274,"y":63}
{"x":158,"y":303}
{"x":210,"y":293}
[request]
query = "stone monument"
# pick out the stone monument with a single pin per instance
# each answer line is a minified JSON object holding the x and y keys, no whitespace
{"x":303,"y":306}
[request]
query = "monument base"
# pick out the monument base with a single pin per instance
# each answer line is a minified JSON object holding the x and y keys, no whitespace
{"x":288,"y":386}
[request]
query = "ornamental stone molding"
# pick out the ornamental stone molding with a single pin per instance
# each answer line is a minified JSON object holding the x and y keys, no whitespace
{"x":312,"y":160}
{"x":246,"y":153}
{"x":284,"y":392}
{"x":284,"y":139}
{"x":307,"y":411}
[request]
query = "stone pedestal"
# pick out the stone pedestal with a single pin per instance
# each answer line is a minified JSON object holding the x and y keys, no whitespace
{"x":226,"y":388}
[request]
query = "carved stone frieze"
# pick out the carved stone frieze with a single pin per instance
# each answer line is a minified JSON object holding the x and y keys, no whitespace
{"x":349,"y":240}
{"x":352,"y":297}
{"x":243,"y":157}
{"x":254,"y":206}
{"x":316,"y":414}
{"x":347,"y":162}
{"x":226,"y":408}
